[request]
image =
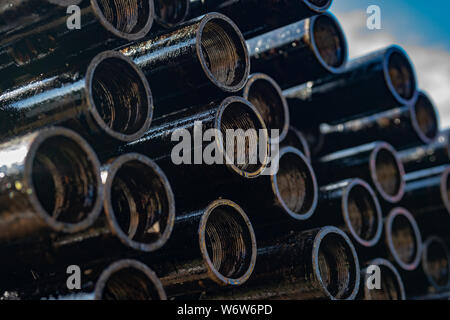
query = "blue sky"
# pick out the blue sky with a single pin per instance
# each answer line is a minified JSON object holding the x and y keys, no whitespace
{"x":421,"y":27}
{"x":425,"y":21}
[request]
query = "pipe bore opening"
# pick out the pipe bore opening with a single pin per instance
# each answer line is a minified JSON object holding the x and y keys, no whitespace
{"x":391,"y":286}
{"x":130,"y":283}
{"x":241,"y":127}
{"x":224,"y":54}
{"x":295,"y":184}
{"x":363,"y":213}
{"x":337,"y":266}
{"x":387,"y":173}
{"x":65,"y":180}
{"x":329,"y":41}
{"x":436,"y":263}
{"x":401,"y":75}
{"x":229,"y":242}
{"x":171,"y":12}
{"x":425,"y":118}
{"x":404,"y":239}
{"x":140,"y":204}
{"x":267,"y":98}
{"x":121,"y":98}
{"x":129,"y":19}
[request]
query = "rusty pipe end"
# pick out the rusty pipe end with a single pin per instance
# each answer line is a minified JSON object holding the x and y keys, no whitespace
{"x":387,"y":172}
{"x":139,"y":202}
{"x":335,"y":264}
{"x":170,"y":13}
{"x":436,"y":263}
{"x":222,"y":52}
{"x":238,"y":120}
{"x":227,"y":243}
{"x":62,"y":178}
{"x":328,"y":42}
{"x":392,"y":287}
{"x":119,"y":96}
{"x":126,"y":19}
{"x":129,"y":280}
{"x":318,"y":6}
{"x":400,"y":76}
{"x":267,"y":97}
{"x":362,"y":213}
{"x":295,"y":184}
{"x":425,"y":118}
{"x":403,"y":238}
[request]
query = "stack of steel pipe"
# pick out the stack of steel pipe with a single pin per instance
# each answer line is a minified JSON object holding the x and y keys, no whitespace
{"x":189,"y":149}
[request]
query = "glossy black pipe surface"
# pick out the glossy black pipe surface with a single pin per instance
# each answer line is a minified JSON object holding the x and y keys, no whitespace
{"x":193,"y":63}
{"x":402,"y":127}
{"x":107,"y":97}
{"x":353,"y":207}
{"x":122,"y":280}
{"x":426,"y":156}
{"x":42,"y":46}
{"x":17,"y":14}
{"x":376,"y":82}
{"x":49,"y":181}
{"x":314,"y":264}
{"x":376,"y":163}
{"x":427,"y":191}
{"x":212,"y":247}
{"x":304,"y":51}
{"x":254,"y":17}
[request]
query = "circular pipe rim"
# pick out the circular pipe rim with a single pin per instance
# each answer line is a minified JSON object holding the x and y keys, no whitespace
{"x":41,"y":137}
{"x":114,"y":167}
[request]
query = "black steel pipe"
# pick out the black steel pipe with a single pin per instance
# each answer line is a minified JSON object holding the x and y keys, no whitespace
{"x":304,"y":51}
{"x":211,"y":247}
{"x":426,"y":156}
{"x":376,"y":163}
{"x":434,"y":274}
{"x":258,"y":16}
{"x":402,"y":127}
{"x":353,"y":207}
{"x":139,"y":202}
{"x":286,"y":196}
{"x":403,"y":240}
{"x":188,"y":129}
{"x":436,"y":263}
{"x":194,"y":63}
{"x":122,"y":280}
{"x":17,"y":14}
{"x":266,"y":96}
{"x":171,"y":13}
{"x":48,"y":43}
{"x":392,"y":287}
{"x":109,"y":98}
{"x":427,"y":192}
{"x":139,"y":214}
{"x":314,"y":264}
{"x":373,"y":83}
{"x":49,"y":182}
{"x":296,"y":139}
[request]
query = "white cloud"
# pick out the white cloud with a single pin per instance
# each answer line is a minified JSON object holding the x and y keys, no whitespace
{"x":432,"y":63}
